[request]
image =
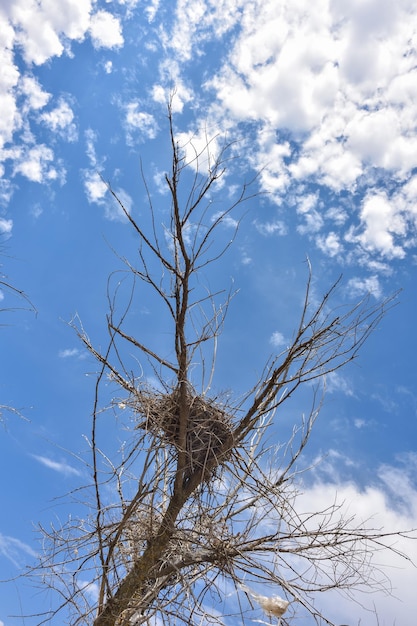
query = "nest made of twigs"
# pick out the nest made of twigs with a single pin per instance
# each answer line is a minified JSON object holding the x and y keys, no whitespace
{"x":208,"y":426}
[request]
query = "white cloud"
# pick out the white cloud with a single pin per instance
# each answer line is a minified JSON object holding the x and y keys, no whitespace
{"x":36,"y":164}
{"x":108,"y":67}
{"x":312,"y":219}
{"x":359,"y":422}
{"x":277,"y":227}
{"x":178,"y":97}
{"x":339,"y":79}
{"x":139,"y":122}
{"x":68,"y":352}
{"x":6,"y":189}
{"x":362,"y":286}
{"x":35,"y":34}
{"x":36,"y":97}
{"x":269,"y":161}
{"x":9,"y":76}
{"x":5,"y":226}
{"x":91,"y":138}
{"x":61,"y":121}
{"x":381,"y":222}
{"x":95,"y":188}
{"x":201,"y":149}
{"x":245,"y":258}
{"x":336,"y":382}
{"x":113,"y":210}
{"x":151,"y":10}
{"x":90,"y":589}
{"x":371,"y":135}
{"x":226,"y":219}
{"x":389,"y":502}
{"x":13,"y":549}
{"x":97,"y":193}
{"x":324,"y":156}
{"x":106,"y":30}
{"x":274,"y":46}
{"x":277,"y":339}
{"x":36,"y":211}
{"x":161,"y":183}
{"x":337,"y":215}
{"x":330,"y":244}
{"x":39,"y":31}
{"x":43,"y":28}
{"x":60,"y":467}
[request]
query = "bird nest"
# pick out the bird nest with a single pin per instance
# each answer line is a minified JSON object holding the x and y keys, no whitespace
{"x":209,"y":430}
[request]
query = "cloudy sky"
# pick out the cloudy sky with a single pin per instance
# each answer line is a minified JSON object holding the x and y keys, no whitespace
{"x":321,"y":103}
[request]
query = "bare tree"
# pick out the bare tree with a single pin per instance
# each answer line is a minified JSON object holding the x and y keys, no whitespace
{"x":193,"y":503}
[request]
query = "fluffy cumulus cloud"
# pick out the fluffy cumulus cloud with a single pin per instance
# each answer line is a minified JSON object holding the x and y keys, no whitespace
{"x":139,"y":124}
{"x":32,"y":33}
{"x":61,"y":121}
{"x":35,"y":97}
{"x":35,"y":163}
{"x":381,"y":222}
{"x":42,"y":28}
{"x":106,"y":30}
{"x":95,"y":187}
{"x":366,"y":285}
{"x":325,"y":96}
{"x":339,"y":80}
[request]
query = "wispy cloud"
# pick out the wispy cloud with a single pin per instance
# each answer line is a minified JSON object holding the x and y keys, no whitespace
{"x":113,"y":210}
{"x":226,"y":219}
{"x":96,"y":189}
{"x":14,"y":550}
{"x":68,"y":353}
{"x":276,"y":227}
{"x":337,"y":382}
{"x":60,"y":467}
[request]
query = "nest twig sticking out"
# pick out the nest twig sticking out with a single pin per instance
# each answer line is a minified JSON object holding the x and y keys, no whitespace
{"x":209,"y":426}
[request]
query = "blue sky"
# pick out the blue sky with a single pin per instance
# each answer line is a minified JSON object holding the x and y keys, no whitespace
{"x":322,"y":103}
